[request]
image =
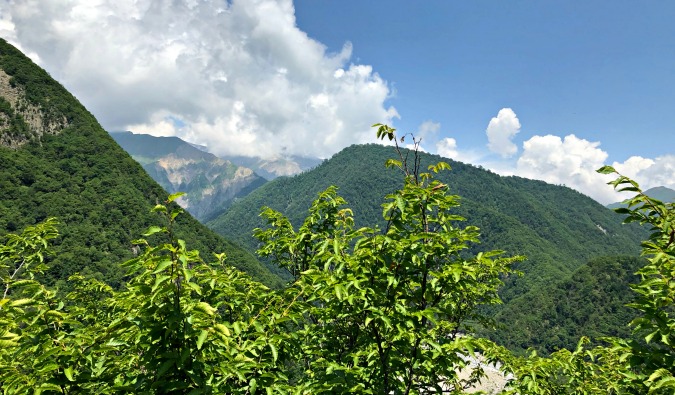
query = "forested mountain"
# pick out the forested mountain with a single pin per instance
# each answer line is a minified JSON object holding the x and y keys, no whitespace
{"x":367,"y":312}
{"x":591,"y":302}
{"x":210,"y":183}
{"x":557,"y":228}
{"x":57,"y":161}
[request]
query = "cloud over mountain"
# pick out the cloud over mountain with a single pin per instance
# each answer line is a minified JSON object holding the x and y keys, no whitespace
{"x":238,"y":76}
{"x":500,"y":132}
{"x":573,"y":161}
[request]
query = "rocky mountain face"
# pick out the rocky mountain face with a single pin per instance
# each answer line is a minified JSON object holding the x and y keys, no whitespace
{"x":271,"y":168}
{"x":210,"y":183}
{"x":20,"y":119}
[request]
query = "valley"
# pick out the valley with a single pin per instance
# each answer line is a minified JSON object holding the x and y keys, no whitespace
{"x":366,"y":280}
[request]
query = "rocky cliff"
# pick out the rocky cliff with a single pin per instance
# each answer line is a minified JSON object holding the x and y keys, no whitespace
{"x":210,"y":183}
{"x":20,"y":119}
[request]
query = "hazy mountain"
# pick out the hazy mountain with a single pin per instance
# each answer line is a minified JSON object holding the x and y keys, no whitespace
{"x":210,"y":183}
{"x":272,"y":168}
{"x":57,"y":161}
{"x":663,"y":194}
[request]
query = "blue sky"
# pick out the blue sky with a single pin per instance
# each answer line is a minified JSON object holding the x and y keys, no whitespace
{"x":603,"y":71}
{"x":539,"y":89}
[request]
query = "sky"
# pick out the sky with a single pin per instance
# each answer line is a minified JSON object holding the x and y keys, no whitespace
{"x":540,"y":89}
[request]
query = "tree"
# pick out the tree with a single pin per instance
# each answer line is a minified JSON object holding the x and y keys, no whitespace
{"x":386,"y":310}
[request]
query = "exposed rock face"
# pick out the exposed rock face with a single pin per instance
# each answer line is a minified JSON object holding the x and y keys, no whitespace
{"x":210,"y":183}
{"x":271,"y":168}
{"x":20,"y":120}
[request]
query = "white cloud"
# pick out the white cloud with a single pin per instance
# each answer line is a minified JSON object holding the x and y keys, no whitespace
{"x":447,"y":147}
{"x":573,"y":162}
{"x":428,"y":130}
{"x":570,"y":161}
{"x":649,"y":173}
{"x":240,"y":75}
{"x":500,"y":132}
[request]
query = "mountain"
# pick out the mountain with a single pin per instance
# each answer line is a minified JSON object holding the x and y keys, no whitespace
{"x":210,"y":183}
{"x":565,"y":235}
{"x":663,"y":194}
{"x":591,"y":302}
{"x":57,"y":161}
{"x":271,"y":168}
{"x":557,"y":228}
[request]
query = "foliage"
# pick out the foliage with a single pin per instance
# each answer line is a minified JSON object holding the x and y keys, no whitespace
{"x":582,"y":371}
{"x":387,"y":310}
{"x":180,"y":326}
{"x":651,"y":363}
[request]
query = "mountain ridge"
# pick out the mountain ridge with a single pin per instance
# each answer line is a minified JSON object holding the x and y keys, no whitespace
{"x":568,"y":228}
{"x":210,"y":183}
{"x":661,"y":193}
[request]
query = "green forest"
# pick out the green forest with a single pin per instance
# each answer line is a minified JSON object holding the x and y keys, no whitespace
{"x":519,"y":215}
{"x":109,"y":287}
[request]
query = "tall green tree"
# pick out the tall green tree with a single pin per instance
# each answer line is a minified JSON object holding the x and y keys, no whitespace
{"x":387,"y":310}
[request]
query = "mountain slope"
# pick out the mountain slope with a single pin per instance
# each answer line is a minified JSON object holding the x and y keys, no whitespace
{"x":58,"y":161}
{"x":591,"y":302}
{"x":557,"y":228}
{"x":663,"y":194}
{"x":210,"y":183}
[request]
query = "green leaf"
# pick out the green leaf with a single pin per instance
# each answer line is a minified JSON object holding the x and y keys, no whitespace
{"x":69,"y":373}
{"x":152,"y":230}
{"x":174,"y":196}
{"x":275,"y":353}
{"x":606,"y":170}
{"x":159,"y":281}
{"x":200,"y":339}
{"x":205,"y":308}
{"x":21,"y":302}
{"x":161,"y":266}
{"x":252,"y":386}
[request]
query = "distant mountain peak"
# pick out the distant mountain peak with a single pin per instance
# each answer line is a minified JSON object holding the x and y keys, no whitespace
{"x":661,"y":193}
{"x":210,"y":182}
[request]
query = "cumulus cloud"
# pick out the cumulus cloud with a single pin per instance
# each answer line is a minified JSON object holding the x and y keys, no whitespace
{"x":447,"y":147}
{"x":649,"y":173}
{"x":500,"y":132}
{"x":573,"y":162}
{"x":428,"y":130}
{"x":236,"y":75}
